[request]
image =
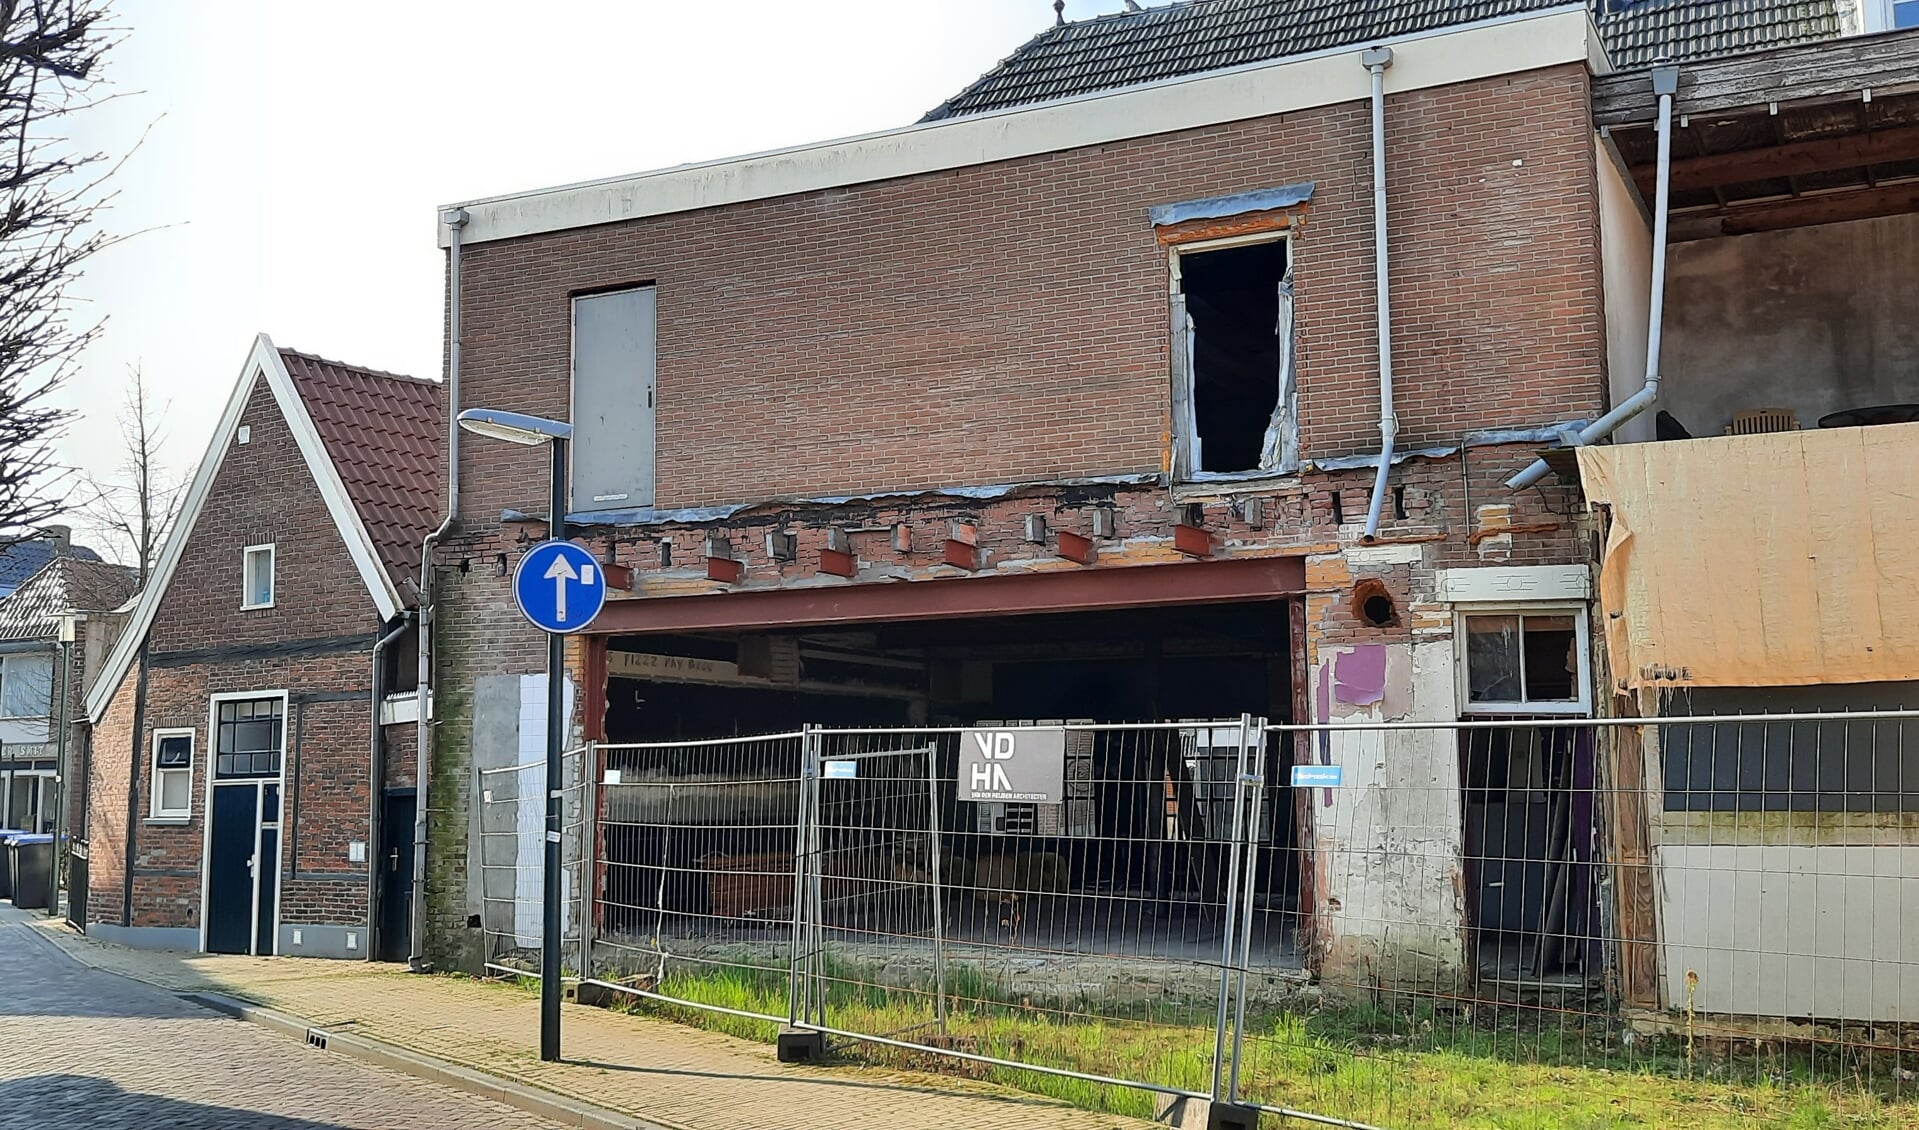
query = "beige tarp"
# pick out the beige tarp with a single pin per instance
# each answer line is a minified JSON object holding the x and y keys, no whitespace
{"x":1766,"y":560}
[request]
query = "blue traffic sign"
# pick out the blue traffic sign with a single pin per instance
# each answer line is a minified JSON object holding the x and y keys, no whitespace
{"x":559,"y":587}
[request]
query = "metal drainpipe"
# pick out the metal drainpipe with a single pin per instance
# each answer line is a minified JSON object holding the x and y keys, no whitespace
{"x":376,"y":783}
{"x":455,"y":220}
{"x":1376,"y":60}
{"x":1665,"y":83}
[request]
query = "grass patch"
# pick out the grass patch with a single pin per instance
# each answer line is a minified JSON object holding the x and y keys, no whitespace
{"x":1512,"y":1071}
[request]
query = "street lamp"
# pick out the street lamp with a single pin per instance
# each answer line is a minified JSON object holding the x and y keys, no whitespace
{"x":532,"y":431}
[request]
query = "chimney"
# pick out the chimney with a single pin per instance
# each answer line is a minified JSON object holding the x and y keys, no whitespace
{"x":60,"y":536}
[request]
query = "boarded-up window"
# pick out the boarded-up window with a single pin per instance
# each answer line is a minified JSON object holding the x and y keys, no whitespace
{"x":1871,"y":765}
{"x":613,"y":400}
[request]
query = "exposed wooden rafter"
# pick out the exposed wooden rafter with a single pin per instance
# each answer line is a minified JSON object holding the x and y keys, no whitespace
{"x":1789,"y":212}
{"x":1795,"y":158}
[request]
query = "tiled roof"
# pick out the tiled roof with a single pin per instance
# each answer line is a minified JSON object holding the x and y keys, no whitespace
{"x":23,"y":559}
{"x":384,"y":433}
{"x":1192,"y":36}
{"x":64,"y":584}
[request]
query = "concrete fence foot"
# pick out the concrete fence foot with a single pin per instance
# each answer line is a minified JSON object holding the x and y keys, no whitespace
{"x":1185,"y":1113}
{"x":801,"y":1047}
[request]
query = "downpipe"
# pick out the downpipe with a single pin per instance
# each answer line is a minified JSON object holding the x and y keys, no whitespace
{"x":455,"y":221}
{"x":1376,"y":60}
{"x":1665,"y":83}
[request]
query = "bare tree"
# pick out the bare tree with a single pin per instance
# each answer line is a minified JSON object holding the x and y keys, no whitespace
{"x":50,"y":55}
{"x":134,"y":510}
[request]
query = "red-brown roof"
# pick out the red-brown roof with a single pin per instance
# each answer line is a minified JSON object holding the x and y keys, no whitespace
{"x":386,"y":435}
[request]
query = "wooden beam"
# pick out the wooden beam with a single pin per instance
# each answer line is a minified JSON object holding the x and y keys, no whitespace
{"x":1829,"y":71}
{"x":1805,"y":211}
{"x":1795,"y":158}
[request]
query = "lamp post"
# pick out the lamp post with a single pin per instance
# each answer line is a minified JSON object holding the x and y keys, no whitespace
{"x":532,"y":431}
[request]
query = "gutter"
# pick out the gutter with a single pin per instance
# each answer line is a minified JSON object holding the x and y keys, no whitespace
{"x":1376,"y":60}
{"x":376,"y":788}
{"x":1665,"y":83}
{"x":455,"y":220}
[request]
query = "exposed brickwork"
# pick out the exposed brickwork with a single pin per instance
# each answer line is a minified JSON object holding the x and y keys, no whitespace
{"x":263,"y":493}
{"x":1008,"y":323}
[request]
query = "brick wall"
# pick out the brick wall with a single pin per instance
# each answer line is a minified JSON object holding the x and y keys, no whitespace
{"x":262,"y":494}
{"x":1008,"y":322}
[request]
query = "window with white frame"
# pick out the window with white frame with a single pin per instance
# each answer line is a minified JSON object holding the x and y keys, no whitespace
{"x":256,"y":577}
{"x":1905,"y":13}
{"x":172,"y":774}
{"x":26,"y":686}
{"x":1531,"y":660}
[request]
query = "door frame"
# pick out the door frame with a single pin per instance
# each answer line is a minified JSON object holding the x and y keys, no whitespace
{"x":206,"y":814}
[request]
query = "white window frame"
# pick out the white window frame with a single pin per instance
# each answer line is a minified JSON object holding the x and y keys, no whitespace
{"x":246,"y":586}
{"x":155,"y":808}
{"x":1583,"y":680}
{"x":53,"y":686}
{"x":1187,"y":458}
{"x":1876,"y":16}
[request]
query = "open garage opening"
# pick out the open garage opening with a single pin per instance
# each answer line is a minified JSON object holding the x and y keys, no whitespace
{"x":1132,"y":861}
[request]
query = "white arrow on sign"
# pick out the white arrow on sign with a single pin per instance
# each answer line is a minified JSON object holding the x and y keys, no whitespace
{"x":560,"y":572}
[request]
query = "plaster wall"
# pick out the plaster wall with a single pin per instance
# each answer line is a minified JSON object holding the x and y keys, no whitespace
{"x":1625,"y":270}
{"x":1814,"y":319}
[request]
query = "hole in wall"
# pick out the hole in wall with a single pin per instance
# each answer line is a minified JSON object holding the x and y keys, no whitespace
{"x":1374,"y":604}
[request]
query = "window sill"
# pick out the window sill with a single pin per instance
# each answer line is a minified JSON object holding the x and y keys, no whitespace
{"x":255,"y":607}
{"x":166,"y":821}
{"x":1211,"y":484}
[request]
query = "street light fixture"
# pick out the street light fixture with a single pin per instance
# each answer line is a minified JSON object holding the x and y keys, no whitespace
{"x":532,"y":431}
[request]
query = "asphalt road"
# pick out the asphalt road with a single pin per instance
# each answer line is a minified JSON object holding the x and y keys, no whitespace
{"x":79,"y":1047}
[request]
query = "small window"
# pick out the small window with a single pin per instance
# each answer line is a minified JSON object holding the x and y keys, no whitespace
{"x":26,"y":686}
{"x":249,"y":738}
{"x":172,"y":774}
{"x":257,"y":577}
{"x":1233,"y":398}
{"x":1905,"y":13}
{"x":1526,"y":662}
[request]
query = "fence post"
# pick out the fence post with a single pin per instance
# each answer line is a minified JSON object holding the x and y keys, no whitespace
{"x":1232,"y":912}
{"x":794,"y":1005}
{"x":816,"y":946}
{"x":1256,"y":781}
{"x":938,"y":898}
{"x":589,"y":851}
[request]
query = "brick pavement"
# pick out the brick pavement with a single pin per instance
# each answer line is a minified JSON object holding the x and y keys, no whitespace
{"x":79,"y":1047}
{"x":648,"y":1068}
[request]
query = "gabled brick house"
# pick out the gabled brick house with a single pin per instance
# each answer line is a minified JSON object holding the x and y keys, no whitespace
{"x":261,"y":676}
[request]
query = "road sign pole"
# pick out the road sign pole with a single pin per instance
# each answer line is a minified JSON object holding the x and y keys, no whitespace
{"x":550,"y":932}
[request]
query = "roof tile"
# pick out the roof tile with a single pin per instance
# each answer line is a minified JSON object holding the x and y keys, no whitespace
{"x":1128,"y":48}
{"x":384,"y":433}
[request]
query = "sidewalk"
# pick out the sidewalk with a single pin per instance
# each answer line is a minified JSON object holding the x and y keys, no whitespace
{"x":649,"y":1069}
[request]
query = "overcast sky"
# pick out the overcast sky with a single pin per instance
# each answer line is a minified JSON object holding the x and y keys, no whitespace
{"x":295,"y":152}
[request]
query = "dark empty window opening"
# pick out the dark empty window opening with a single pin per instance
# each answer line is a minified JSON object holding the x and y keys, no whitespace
{"x":1232,"y":298}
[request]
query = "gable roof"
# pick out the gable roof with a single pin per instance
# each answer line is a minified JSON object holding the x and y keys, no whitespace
{"x":64,"y":584}
{"x":346,"y":397}
{"x":1192,"y":36}
{"x":24,"y":558}
{"x":383,"y":434}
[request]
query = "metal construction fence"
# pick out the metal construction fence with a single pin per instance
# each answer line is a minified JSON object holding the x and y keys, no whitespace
{"x":511,"y":838}
{"x":1366,"y":923}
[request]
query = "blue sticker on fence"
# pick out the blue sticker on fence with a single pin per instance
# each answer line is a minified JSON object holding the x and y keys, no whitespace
{"x":1317,"y":776}
{"x":842,"y":770}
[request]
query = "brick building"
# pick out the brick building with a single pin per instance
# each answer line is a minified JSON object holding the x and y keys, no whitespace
{"x":892,"y":431}
{"x":266,"y":677}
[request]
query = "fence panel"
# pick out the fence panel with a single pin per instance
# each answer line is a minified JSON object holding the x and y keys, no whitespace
{"x":696,"y":875}
{"x":1087,"y":936}
{"x":1592,"y":919}
{"x":512,"y":862}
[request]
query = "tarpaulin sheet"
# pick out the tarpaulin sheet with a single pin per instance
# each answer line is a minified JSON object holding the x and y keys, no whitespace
{"x":1782,"y":559}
